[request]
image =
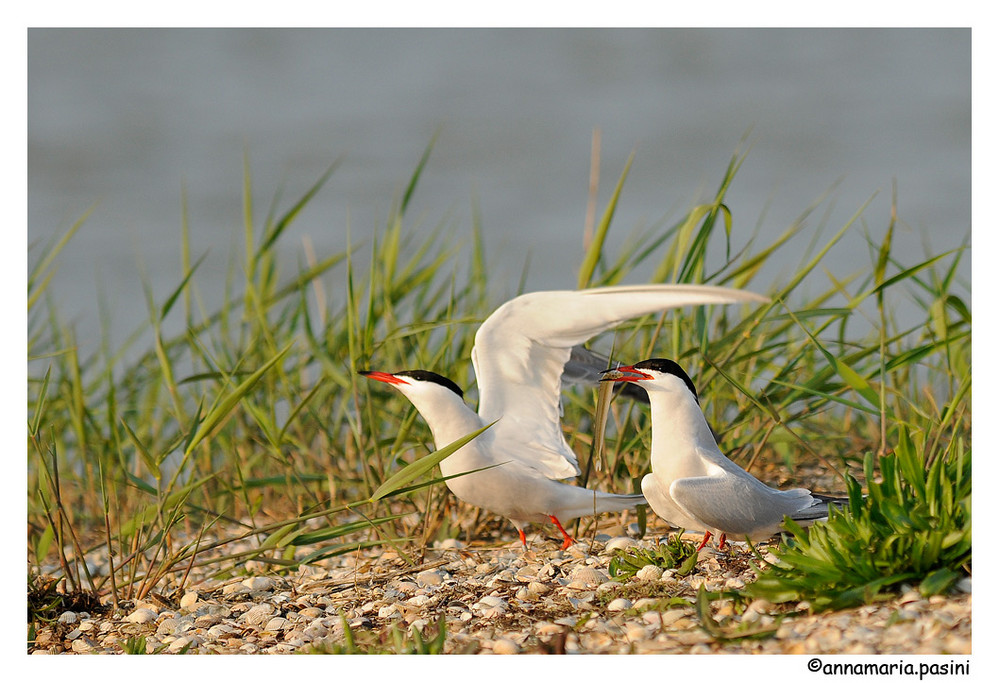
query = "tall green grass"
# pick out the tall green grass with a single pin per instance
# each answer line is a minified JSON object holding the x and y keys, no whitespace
{"x":249,"y":435}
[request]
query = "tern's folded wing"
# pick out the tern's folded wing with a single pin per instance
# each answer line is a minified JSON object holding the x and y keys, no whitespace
{"x":737,"y":505}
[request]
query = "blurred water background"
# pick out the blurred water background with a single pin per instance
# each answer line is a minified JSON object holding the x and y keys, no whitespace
{"x":122,"y":119}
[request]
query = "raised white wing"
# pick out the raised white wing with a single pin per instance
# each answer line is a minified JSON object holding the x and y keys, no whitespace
{"x":522,"y":347}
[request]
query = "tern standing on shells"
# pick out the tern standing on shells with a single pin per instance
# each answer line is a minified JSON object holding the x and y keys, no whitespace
{"x":693,"y":484}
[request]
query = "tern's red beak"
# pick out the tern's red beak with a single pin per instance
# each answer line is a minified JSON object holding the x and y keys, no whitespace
{"x":625,"y":373}
{"x":381,"y":376}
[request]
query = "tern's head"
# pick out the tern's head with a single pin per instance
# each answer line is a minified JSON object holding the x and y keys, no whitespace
{"x":414,"y":382}
{"x":655,"y":374}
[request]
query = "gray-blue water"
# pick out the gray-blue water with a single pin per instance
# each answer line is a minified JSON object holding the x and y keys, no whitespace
{"x":124,"y":119}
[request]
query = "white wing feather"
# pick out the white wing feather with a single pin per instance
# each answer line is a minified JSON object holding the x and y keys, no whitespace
{"x":521,"y":349}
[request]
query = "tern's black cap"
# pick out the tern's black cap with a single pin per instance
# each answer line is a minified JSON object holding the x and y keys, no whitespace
{"x":668,"y":367}
{"x":428,"y":376}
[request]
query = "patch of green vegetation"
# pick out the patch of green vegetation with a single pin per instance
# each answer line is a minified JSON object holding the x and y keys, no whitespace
{"x":914,"y":527}
{"x":721,"y":633}
{"x":394,"y":641}
{"x":676,"y":554}
{"x":664,"y":595}
{"x":136,"y":645}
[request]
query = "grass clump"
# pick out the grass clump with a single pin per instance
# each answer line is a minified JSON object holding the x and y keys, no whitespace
{"x":676,"y":554}
{"x":136,"y":645}
{"x":914,"y":527}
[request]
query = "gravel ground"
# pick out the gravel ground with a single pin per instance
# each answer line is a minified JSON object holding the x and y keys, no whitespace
{"x":504,"y":600}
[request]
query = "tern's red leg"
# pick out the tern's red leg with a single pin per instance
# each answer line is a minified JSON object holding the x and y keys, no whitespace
{"x":567,"y":539}
{"x":704,"y":541}
{"x":722,"y":541}
{"x":524,"y":541}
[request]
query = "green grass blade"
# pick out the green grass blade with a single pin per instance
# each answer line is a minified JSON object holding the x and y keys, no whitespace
{"x":593,"y":255}
{"x":417,"y":172}
{"x":42,"y":268}
{"x":320,"y":535}
{"x":169,"y":303}
{"x":221,"y":411}
{"x":289,"y":216}
{"x":423,"y":465}
{"x":846,"y":372}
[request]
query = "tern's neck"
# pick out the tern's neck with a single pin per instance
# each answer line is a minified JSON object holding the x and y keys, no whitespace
{"x":447,"y":415}
{"x":678,"y":422}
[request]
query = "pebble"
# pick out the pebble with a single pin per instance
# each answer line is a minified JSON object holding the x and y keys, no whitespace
{"x":216,"y":632}
{"x":620,"y":543}
{"x":207,"y":620}
{"x":276,"y":624}
{"x":258,"y":615}
{"x":142,"y":615}
{"x":189,"y":642}
{"x":491,"y":606}
{"x":166,"y":626}
{"x":538,"y":588}
{"x":587,"y":577}
{"x":609,"y":587}
{"x":671,"y":617}
{"x":619,"y":605}
{"x":505,"y":646}
{"x":545,"y":628}
{"x":636,"y":632}
{"x":259,"y":583}
{"x":388,"y":611}
{"x":83,"y":645}
{"x":649,"y":573}
{"x":449,"y":544}
{"x":430,"y":577}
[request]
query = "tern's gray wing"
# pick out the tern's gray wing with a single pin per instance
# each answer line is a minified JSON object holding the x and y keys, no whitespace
{"x":738,"y":505}
{"x":585,"y":367}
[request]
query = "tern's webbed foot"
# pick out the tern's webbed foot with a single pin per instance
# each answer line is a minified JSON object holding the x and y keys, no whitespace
{"x":567,"y":539}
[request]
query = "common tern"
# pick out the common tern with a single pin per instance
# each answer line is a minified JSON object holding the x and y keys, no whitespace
{"x":693,"y":485}
{"x":519,"y":357}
